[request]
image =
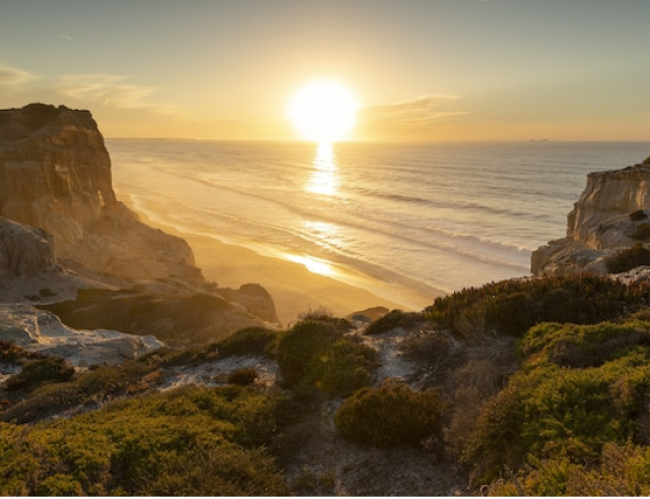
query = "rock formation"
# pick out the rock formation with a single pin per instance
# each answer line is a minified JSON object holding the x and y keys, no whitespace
{"x":40,"y":331}
{"x":24,"y":251}
{"x":67,"y":242}
{"x":609,"y":216}
{"x":55,"y":175}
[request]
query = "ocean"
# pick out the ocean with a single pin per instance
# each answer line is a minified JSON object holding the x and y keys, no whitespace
{"x":419,"y":217}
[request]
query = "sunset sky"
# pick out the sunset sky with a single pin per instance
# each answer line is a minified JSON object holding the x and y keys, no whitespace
{"x":420,"y":70}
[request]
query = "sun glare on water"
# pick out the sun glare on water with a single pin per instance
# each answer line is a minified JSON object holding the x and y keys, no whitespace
{"x":323,"y":111}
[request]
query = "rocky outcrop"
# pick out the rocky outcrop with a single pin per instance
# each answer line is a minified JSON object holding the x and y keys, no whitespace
{"x":178,"y":319}
{"x":254,"y":299}
{"x":55,"y":175}
{"x":609,"y":216}
{"x":68,"y":243}
{"x":24,"y":251}
{"x":41,"y":331}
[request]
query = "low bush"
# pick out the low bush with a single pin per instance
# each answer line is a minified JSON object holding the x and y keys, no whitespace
{"x":393,"y":320}
{"x":580,"y":388}
{"x":149,"y":445}
{"x":628,"y":259}
{"x":40,"y":372}
{"x":97,"y":384}
{"x":298,"y":347}
{"x":249,"y":341}
{"x":512,"y":306}
{"x":314,"y":354}
{"x":392,"y":414}
{"x":10,"y":352}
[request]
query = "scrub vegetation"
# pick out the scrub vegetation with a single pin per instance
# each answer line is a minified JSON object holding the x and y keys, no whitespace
{"x":541,"y":387}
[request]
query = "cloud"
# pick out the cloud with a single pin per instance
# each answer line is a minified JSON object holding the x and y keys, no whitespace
{"x":13,"y":76}
{"x":411,"y":118}
{"x":105,"y":89}
{"x":418,"y":106}
{"x":67,"y":38}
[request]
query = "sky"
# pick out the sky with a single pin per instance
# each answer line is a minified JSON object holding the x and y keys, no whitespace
{"x":425,"y":70}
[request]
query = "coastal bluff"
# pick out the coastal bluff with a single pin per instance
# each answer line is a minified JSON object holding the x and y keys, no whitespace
{"x":612,"y":215}
{"x":68,"y":243}
{"x":55,"y":175}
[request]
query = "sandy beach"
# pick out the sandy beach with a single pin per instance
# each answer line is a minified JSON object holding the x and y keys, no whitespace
{"x":294,"y":288}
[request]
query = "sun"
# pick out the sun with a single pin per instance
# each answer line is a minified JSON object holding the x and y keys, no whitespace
{"x":324,"y":111}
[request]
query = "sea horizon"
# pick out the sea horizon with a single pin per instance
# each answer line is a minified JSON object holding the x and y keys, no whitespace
{"x":418,"y":217}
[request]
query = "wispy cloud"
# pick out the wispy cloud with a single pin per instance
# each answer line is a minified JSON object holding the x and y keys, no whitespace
{"x":105,"y":89}
{"x":13,"y":76}
{"x":417,"y":107}
{"x":412,"y":117}
{"x":67,"y":38}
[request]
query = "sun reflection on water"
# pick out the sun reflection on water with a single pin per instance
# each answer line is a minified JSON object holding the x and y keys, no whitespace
{"x":314,"y":265}
{"x":324,"y":179}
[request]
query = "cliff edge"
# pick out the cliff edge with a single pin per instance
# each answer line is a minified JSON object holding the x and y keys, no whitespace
{"x":55,"y":175}
{"x":62,"y":230}
{"x":611,"y":215}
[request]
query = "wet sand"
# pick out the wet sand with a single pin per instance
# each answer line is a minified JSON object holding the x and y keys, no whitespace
{"x":295,"y":289}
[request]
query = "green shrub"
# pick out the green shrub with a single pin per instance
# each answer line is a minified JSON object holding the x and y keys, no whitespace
{"x":39,"y":372}
{"x":628,"y":259}
{"x":190,"y":441}
{"x":225,"y":471}
{"x":342,"y":369}
{"x":390,"y":415}
{"x":10,"y":352}
{"x":249,"y":341}
{"x":513,"y":306}
{"x":393,"y":320}
{"x":303,"y":343}
{"x":622,"y":471}
{"x":580,"y":388}
{"x":315,"y":354}
{"x":96,"y":384}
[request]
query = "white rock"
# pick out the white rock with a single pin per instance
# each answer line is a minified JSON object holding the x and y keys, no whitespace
{"x":599,"y":225}
{"x":42,"y":331}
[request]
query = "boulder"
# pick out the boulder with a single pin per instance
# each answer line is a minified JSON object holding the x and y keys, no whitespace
{"x":41,"y":331}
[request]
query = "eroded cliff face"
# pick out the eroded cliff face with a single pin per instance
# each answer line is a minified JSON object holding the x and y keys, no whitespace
{"x":608,"y":217}
{"x":24,"y":251}
{"x":55,"y":172}
{"x":63,"y":230}
{"x":55,"y":175}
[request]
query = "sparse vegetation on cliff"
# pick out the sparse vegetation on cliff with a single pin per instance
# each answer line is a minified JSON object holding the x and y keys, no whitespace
{"x":315,"y":355}
{"x":580,"y":390}
{"x":512,"y":306}
{"x":392,"y":414}
{"x":191,"y":441}
{"x":570,"y":418}
{"x":629,"y":258}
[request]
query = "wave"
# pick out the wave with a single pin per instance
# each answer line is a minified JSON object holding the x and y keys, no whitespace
{"x":446,"y":217}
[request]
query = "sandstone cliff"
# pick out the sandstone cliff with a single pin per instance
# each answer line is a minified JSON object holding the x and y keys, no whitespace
{"x":24,"y":251}
{"x":55,"y":175}
{"x":62,"y":230}
{"x":609,"y":216}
